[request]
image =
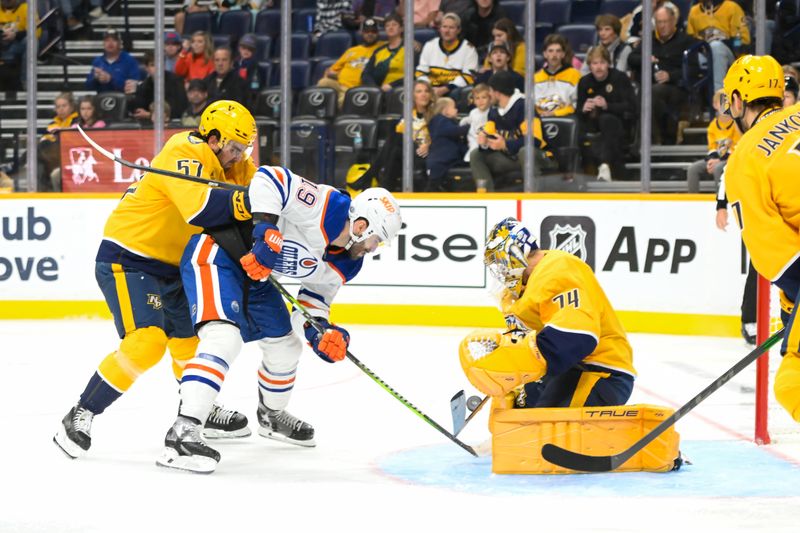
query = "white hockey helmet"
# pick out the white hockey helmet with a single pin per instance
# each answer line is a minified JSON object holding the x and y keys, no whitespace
{"x":378,"y":207}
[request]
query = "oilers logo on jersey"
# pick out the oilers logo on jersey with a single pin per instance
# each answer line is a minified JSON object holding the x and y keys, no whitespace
{"x":296,"y":260}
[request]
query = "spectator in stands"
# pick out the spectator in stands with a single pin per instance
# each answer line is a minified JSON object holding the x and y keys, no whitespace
{"x":426,"y":12}
{"x":608,"y":28}
{"x":447,"y":143}
{"x":246,"y":64}
{"x":224,"y":83}
{"x":505,"y":31}
{"x":13,"y":43}
{"x":790,"y":90}
{"x":195,"y":60}
{"x":387,"y":167}
{"x":477,"y":116}
{"x":197,"y":94}
{"x":721,"y":23}
{"x":144,"y":94}
{"x":632,"y":22}
{"x":346,"y":72}
{"x":87,"y":114}
{"x":448,"y":62}
{"x":555,"y":93}
{"x":479,"y":21}
{"x":385,"y":68}
{"x":722,"y":137}
{"x":606,"y":111}
{"x":364,"y":9}
{"x":198,"y":6}
{"x":72,"y":12}
{"x":172,"y":49}
{"x":668,"y":94}
{"x":111,"y":70}
{"x":789,"y":70}
{"x":48,"y":150}
{"x":501,"y":143}
{"x":329,"y":16}
{"x":499,"y":58}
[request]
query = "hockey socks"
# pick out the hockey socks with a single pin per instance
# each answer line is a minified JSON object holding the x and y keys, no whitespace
{"x":98,"y":395}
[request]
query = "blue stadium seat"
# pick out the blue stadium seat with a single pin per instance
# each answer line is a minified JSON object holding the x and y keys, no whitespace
{"x":263,"y":47}
{"x":320,"y":67}
{"x":301,"y":46}
{"x":200,"y":21}
{"x":620,"y":8}
{"x":362,"y":102}
{"x":264,"y":73}
{"x":543,"y":29}
{"x":423,"y":35}
{"x":300,"y":73}
{"x":268,"y":22}
{"x":234,"y":24}
{"x":580,"y":36}
{"x":333,"y":44}
{"x":556,"y":12}
{"x":222,"y":41}
{"x":583,"y":11}
{"x":303,"y":19}
{"x":304,"y":4}
{"x":515,"y":10}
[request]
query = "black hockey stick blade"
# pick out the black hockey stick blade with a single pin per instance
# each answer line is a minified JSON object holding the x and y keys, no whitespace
{"x":606,"y":463}
{"x":458,"y":408}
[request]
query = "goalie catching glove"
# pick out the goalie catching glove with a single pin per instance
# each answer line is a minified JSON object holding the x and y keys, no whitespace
{"x":331,"y":344}
{"x":267,"y":245}
{"x":497,"y":363}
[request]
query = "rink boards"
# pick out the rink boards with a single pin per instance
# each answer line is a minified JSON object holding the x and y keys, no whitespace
{"x":663,"y":263}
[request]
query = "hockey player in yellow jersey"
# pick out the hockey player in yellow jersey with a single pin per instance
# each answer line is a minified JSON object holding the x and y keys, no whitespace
{"x":764,"y":194}
{"x":565,"y":345}
{"x":138,"y":261}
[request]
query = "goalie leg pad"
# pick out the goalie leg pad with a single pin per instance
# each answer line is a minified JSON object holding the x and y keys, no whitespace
{"x":276,"y":375}
{"x":519,"y":434}
{"x":787,"y":384}
{"x":496,"y":364}
{"x":220,"y":343}
{"x":182,"y":350}
{"x":140,"y":350}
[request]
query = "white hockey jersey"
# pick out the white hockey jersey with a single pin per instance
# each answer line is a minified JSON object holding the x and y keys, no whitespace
{"x":310,"y":217}
{"x":444,"y":67}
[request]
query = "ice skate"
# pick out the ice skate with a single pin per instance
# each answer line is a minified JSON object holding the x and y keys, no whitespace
{"x":74,"y":436}
{"x":225,"y":424}
{"x":185,"y":449}
{"x":282,"y":426}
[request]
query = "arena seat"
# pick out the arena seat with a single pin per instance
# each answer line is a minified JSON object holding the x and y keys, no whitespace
{"x":333,"y":44}
{"x":234,"y":24}
{"x":362,"y":102}
{"x":346,"y":153}
{"x":199,"y":21}
{"x":317,"y":102}
{"x":268,"y":22}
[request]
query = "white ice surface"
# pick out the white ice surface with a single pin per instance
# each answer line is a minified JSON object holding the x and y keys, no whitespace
{"x":262,"y":485}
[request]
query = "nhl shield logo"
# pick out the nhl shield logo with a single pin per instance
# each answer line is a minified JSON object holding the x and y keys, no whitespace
{"x":571,"y":239}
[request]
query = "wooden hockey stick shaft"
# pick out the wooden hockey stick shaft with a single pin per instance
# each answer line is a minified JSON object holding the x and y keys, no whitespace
{"x":143,"y":168}
{"x":316,"y":325}
{"x":605,"y":463}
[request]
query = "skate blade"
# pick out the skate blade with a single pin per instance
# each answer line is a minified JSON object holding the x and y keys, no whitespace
{"x":222,"y":434}
{"x":195,"y":463}
{"x":283,"y":438}
{"x":70,"y":449}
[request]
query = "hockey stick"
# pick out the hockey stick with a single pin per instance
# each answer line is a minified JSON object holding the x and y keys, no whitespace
{"x":593,"y":463}
{"x":313,"y":321}
{"x":458,"y":407}
{"x":143,"y":168}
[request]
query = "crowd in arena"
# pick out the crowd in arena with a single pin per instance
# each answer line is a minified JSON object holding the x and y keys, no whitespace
{"x":469,"y":81}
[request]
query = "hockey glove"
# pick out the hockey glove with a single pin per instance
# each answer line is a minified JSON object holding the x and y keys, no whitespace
{"x":267,"y":245}
{"x":331,"y":345}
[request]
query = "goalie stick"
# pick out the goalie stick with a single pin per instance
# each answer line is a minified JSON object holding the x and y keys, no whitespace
{"x":313,"y":321}
{"x":605,"y":463}
{"x":143,"y":168}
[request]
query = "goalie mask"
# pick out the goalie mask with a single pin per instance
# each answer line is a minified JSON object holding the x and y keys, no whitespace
{"x":506,"y":253}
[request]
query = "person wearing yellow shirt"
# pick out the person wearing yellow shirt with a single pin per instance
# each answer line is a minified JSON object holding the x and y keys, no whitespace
{"x":722,"y":24}
{"x":13,"y":39}
{"x":137,"y":264}
{"x":764,"y":195}
{"x":346,"y":72}
{"x":565,"y":346}
{"x":556,"y":84}
{"x":722,"y":134}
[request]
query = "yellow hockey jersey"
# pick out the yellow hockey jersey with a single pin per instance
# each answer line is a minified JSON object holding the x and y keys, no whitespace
{"x":151,"y":225}
{"x":723,"y":21}
{"x":557,"y":92}
{"x":351,"y":63}
{"x":722,"y":138}
{"x":564,"y":303}
{"x":764,"y":193}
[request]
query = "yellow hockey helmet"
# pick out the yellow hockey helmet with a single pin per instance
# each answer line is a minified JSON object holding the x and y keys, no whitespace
{"x":506,"y":252}
{"x":753,"y":77}
{"x":231,"y":119}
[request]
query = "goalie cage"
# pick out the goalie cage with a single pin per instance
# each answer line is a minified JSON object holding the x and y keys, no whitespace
{"x":772,"y":423}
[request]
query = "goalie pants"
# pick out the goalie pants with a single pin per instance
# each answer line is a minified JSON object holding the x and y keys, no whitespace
{"x":581,"y":386}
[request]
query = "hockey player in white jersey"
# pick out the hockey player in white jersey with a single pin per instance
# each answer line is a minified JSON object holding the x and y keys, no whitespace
{"x":313,"y":233}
